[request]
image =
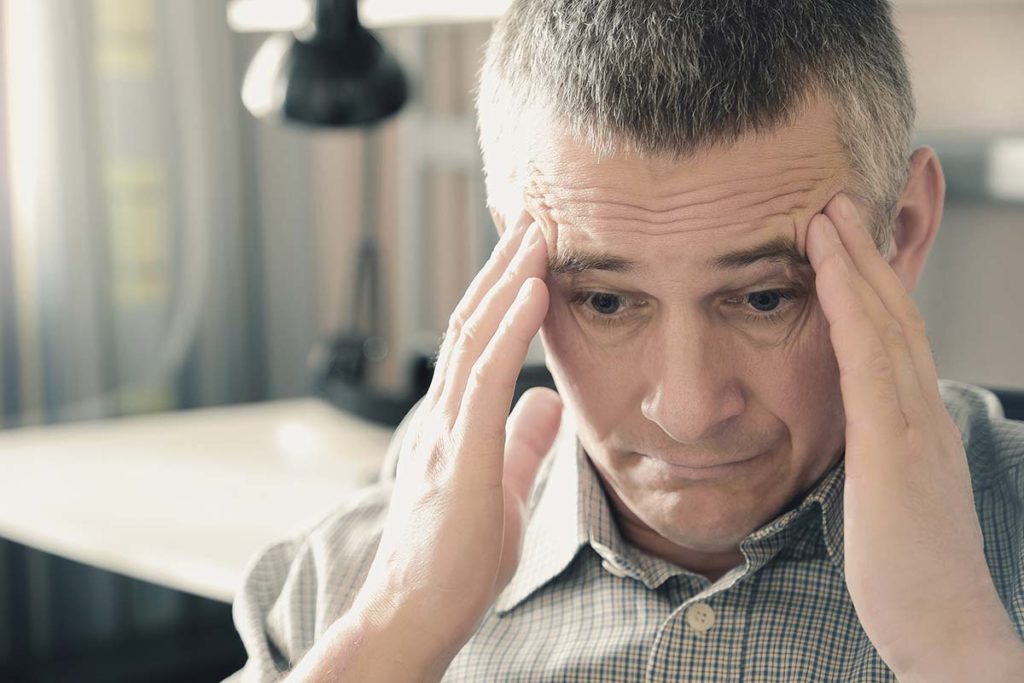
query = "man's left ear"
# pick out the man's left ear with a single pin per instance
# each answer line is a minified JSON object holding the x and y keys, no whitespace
{"x":918,"y":214}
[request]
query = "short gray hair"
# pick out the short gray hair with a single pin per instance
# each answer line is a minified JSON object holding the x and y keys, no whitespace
{"x":672,"y":77}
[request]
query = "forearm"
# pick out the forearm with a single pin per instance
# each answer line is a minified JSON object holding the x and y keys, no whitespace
{"x":358,"y":648}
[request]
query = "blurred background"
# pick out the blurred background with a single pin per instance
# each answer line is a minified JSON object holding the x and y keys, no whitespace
{"x":163,"y":249}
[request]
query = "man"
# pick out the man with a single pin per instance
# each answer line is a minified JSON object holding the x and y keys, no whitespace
{"x":710,"y":212}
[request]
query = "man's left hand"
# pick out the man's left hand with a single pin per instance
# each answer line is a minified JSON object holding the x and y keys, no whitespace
{"x":914,"y":561}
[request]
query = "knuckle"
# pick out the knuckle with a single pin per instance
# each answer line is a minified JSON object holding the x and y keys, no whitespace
{"x":892,"y":332}
{"x":516,"y":333}
{"x":915,"y":321}
{"x":505,"y":327}
{"x":456,"y":321}
{"x":833,"y":264}
{"x":878,"y":367}
{"x":439,"y":455}
{"x":479,"y":374}
{"x":507,"y":251}
{"x":470,"y":337}
{"x":510,"y":276}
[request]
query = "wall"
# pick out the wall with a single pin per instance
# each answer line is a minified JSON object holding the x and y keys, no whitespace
{"x":966,"y":69}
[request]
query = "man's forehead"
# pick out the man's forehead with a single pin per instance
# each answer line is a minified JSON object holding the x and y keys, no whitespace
{"x":620,"y":201}
{"x":761,"y":177}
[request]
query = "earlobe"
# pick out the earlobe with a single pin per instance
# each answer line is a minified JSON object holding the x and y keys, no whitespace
{"x":919,"y":213}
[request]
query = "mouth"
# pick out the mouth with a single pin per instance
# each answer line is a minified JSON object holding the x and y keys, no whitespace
{"x":705,"y":468}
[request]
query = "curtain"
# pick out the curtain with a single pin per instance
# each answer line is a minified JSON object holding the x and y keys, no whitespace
{"x":160,"y":249}
{"x":130,"y":276}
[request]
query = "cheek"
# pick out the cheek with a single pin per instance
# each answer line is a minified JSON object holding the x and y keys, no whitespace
{"x":592,"y":377}
{"x":805,"y":390}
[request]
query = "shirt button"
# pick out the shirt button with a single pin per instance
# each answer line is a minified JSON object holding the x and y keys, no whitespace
{"x":700,"y":617}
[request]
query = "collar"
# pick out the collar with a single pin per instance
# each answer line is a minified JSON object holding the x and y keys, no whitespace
{"x":569,"y":512}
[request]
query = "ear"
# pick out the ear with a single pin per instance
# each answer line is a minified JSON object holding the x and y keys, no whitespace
{"x":918,"y":214}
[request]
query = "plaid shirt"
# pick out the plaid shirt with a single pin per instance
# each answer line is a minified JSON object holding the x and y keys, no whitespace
{"x":585,"y":605}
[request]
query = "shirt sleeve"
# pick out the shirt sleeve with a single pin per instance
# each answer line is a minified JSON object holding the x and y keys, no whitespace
{"x":295,"y":589}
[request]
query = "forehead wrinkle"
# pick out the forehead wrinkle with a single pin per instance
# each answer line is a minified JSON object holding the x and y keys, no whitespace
{"x":632,"y":228}
{"x":543,"y":188}
{"x":749,"y":207}
{"x":619,"y":211}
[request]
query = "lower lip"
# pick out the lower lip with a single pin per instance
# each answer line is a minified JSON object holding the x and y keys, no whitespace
{"x":714,"y":471}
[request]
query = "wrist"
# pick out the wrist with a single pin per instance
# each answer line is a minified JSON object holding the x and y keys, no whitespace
{"x":987,"y":656}
{"x":369,"y":646}
{"x":415,"y":634}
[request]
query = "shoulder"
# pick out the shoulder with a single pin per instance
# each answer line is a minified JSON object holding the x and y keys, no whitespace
{"x":993,"y":443}
{"x":293,"y":590}
{"x":995,"y":455}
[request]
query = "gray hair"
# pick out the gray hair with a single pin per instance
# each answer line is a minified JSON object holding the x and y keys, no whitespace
{"x":673,"y":77}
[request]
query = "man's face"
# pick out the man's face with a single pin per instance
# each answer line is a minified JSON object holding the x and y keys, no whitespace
{"x":677,"y":359}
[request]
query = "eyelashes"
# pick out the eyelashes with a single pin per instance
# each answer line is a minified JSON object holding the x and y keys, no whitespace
{"x":787,"y":298}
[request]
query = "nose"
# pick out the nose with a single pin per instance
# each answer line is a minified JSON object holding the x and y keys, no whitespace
{"x":694,"y":389}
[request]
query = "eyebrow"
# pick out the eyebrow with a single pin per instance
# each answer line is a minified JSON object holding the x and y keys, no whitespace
{"x":777,"y":250}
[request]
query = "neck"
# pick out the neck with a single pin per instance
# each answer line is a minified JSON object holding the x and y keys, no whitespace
{"x":713,"y":564}
{"x":710,"y":563}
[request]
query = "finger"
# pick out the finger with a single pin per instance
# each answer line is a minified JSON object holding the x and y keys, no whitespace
{"x":530,"y":261}
{"x":894,"y":296}
{"x":892,"y":336}
{"x":488,"y":394}
{"x":529,"y":433}
{"x":866,"y":375}
{"x":501,"y":256}
{"x":894,"y":339}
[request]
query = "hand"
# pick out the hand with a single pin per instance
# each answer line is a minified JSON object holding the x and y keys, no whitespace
{"x":914,"y":561}
{"x":453,"y":533}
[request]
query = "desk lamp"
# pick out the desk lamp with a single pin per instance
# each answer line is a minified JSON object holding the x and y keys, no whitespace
{"x":331,"y":72}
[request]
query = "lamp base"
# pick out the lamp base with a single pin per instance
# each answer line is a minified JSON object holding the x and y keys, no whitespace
{"x":389,"y":409}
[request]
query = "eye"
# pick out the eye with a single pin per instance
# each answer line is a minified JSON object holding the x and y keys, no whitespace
{"x":770,"y":305}
{"x":603,"y":306}
{"x":604,"y":303}
{"x":765,"y":301}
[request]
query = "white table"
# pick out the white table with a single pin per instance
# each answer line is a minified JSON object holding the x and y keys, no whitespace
{"x":183,"y":499}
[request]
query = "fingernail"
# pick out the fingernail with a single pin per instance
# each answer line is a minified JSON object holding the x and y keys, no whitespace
{"x":534,"y":235}
{"x":510,"y":234}
{"x":829,"y":230}
{"x":847,"y":209}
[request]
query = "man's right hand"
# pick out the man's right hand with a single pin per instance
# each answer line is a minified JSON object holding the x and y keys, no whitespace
{"x":453,"y":533}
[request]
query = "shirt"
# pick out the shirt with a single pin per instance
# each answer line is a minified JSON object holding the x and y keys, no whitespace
{"x":585,"y":605}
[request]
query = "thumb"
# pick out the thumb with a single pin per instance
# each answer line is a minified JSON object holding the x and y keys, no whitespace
{"x":529,"y":433}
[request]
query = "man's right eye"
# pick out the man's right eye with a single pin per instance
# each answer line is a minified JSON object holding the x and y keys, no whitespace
{"x":602,"y":306}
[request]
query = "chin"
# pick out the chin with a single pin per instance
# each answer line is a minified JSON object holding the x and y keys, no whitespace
{"x":703,"y":520}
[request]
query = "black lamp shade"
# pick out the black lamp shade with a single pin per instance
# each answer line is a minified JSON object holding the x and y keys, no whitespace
{"x":335,"y":74}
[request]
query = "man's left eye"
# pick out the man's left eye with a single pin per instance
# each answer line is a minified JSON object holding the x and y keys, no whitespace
{"x":768,"y":305}
{"x":765,"y":301}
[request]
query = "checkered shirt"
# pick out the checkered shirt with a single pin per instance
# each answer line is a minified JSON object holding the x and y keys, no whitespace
{"x":585,"y":605}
